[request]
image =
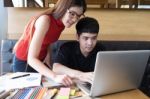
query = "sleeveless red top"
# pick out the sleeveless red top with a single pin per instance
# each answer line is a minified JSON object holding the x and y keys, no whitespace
{"x":55,"y":29}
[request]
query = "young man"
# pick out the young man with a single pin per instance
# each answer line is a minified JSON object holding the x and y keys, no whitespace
{"x":77,"y":58}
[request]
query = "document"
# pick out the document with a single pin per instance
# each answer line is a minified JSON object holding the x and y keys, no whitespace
{"x":20,"y":80}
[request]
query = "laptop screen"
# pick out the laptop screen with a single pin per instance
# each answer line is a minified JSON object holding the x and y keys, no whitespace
{"x":117,"y":71}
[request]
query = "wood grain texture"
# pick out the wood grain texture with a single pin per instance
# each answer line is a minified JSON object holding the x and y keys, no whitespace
{"x":115,"y":24}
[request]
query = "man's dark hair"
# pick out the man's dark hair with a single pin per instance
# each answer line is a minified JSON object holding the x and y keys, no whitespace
{"x":87,"y":25}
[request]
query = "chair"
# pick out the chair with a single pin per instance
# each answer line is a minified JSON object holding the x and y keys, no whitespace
{"x":6,"y":55}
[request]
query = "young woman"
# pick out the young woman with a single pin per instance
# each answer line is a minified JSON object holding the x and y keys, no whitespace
{"x":32,"y":49}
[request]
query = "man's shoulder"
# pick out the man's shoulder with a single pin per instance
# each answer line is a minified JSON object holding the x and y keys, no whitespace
{"x":70,"y":43}
{"x":100,"y":46}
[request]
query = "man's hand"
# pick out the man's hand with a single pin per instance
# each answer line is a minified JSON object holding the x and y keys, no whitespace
{"x":85,"y":77}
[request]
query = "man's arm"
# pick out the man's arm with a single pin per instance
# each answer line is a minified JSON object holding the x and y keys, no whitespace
{"x":62,"y":63}
{"x":74,"y":74}
{"x":62,"y":69}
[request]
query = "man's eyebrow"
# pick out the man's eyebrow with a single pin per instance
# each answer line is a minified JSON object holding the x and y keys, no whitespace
{"x":90,"y":37}
{"x":94,"y":36}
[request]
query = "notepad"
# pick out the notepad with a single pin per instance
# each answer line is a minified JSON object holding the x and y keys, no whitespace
{"x":72,"y":92}
{"x":63,"y":93}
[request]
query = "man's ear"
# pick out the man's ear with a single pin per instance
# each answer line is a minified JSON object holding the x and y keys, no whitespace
{"x":77,"y":37}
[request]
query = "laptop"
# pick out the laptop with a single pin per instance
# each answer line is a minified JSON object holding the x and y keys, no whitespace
{"x":116,"y":71}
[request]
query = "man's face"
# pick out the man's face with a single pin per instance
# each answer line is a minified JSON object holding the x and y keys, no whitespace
{"x":87,"y":42}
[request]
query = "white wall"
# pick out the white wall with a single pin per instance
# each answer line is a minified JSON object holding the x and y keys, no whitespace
{"x":3,"y":23}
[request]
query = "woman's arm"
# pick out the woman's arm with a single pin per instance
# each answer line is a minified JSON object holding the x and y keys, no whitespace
{"x":41,"y":28}
{"x":47,"y":60}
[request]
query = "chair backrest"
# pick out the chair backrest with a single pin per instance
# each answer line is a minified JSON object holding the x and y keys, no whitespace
{"x":55,"y":47}
{"x":6,"y":55}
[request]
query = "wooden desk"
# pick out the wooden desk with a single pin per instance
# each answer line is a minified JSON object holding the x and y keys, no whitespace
{"x":132,"y":94}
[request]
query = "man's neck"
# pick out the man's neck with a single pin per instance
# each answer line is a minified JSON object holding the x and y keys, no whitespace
{"x":84,"y":53}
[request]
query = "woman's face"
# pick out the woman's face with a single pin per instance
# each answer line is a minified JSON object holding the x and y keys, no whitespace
{"x":72,"y":15}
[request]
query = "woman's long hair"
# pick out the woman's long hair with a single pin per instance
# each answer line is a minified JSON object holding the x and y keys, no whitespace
{"x":57,"y":12}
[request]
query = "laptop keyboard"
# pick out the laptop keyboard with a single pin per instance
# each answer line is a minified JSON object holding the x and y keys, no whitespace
{"x":87,"y":85}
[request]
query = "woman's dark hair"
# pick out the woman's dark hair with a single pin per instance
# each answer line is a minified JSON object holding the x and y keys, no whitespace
{"x":87,"y":25}
{"x":79,"y":3}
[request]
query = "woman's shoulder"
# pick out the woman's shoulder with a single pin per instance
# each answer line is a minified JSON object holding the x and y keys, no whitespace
{"x":43,"y":23}
{"x":43,"y":20}
{"x":44,"y":17}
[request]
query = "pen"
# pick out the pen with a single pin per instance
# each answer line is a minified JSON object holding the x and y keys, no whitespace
{"x":2,"y":92}
{"x":20,"y":76}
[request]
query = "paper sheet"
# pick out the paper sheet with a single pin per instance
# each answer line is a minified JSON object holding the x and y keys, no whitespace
{"x":6,"y":83}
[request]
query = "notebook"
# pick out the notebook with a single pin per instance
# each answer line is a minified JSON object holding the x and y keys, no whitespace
{"x":117,"y":71}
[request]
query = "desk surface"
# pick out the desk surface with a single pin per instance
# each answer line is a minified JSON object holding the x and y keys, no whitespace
{"x":132,"y":94}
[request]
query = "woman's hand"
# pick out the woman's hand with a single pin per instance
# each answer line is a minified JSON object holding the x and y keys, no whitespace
{"x":64,"y":79}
